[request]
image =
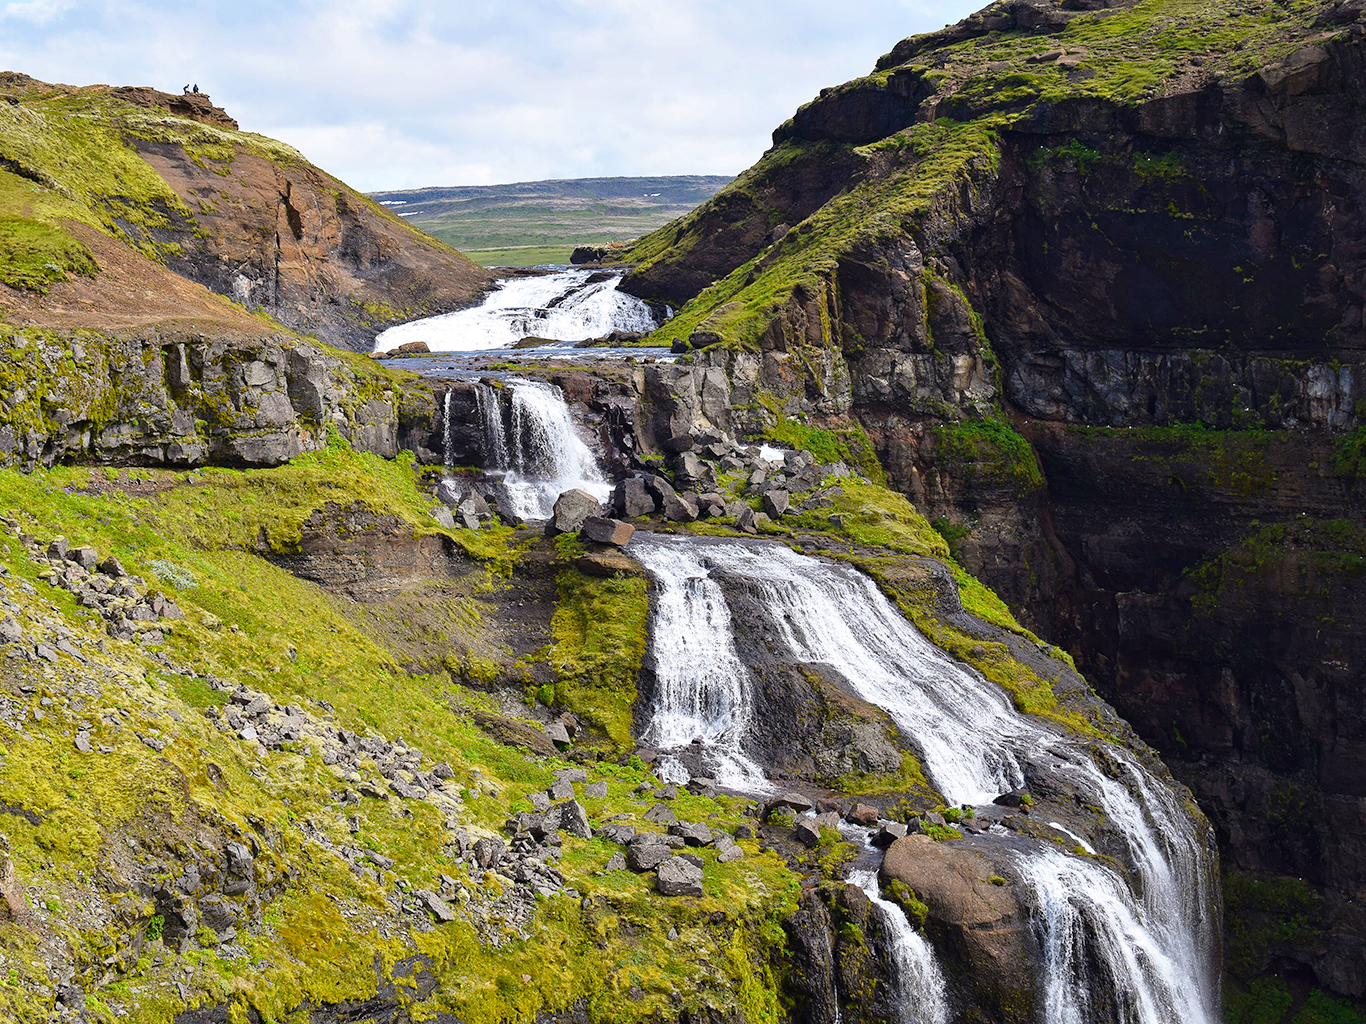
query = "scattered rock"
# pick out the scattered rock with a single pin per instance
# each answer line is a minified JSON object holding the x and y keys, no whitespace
{"x":440,"y":908}
{"x":889,"y":833}
{"x":572,"y":509}
{"x":807,"y":832}
{"x":607,"y":531}
{"x":558,"y":734}
{"x":678,"y":877}
{"x":776,"y":503}
{"x":10,"y":631}
{"x":692,"y":833}
{"x":631,"y":498}
{"x":661,"y":814}
{"x":863,"y":814}
{"x":561,"y":789}
{"x":616,"y":862}
{"x":595,"y":791}
{"x":645,"y":856}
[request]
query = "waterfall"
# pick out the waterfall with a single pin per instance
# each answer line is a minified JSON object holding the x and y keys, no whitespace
{"x":918,"y":981}
{"x":569,"y":305}
{"x":495,"y":435}
{"x":1140,"y":955}
{"x":702,"y":689}
{"x":537,"y":447}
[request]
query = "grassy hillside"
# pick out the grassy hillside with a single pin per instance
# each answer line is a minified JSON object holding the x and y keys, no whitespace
{"x":541,"y":221}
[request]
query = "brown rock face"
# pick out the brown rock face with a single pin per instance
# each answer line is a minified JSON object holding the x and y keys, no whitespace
{"x":981,"y":922}
{"x":292,"y":240}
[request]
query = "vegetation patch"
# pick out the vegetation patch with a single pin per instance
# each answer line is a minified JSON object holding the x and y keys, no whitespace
{"x":600,"y":630}
{"x":34,"y":255}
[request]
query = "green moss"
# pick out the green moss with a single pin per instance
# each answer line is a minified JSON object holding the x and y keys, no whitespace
{"x":991,"y":448}
{"x":600,"y":631}
{"x":846,"y":443}
{"x":34,"y":255}
{"x":1262,"y":915}
{"x":904,"y":896}
{"x":1349,"y":456}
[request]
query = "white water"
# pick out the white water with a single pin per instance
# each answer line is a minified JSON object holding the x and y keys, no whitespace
{"x":561,"y":306}
{"x":702,"y":690}
{"x":841,"y":620}
{"x":537,"y":448}
{"x":920,"y":989}
{"x":1150,"y":953}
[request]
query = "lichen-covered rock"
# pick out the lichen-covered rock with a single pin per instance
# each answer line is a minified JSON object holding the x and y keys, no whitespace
{"x":678,"y":877}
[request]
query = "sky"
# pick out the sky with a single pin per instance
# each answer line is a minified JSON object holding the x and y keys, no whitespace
{"x":391,"y":94}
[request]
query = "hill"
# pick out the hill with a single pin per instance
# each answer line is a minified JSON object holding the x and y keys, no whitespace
{"x":541,"y":221}
{"x":128,"y":206}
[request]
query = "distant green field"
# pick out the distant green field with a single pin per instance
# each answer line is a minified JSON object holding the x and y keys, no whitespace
{"x":520,"y":256}
{"x":541,"y":221}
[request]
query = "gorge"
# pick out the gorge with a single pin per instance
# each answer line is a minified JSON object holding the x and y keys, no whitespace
{"x":669,"y":686}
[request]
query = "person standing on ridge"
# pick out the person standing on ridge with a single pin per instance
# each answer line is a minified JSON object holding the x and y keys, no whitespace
{"x":196,"y":88}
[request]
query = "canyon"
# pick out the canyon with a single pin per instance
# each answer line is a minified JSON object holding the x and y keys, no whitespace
{"x":579,"y":689}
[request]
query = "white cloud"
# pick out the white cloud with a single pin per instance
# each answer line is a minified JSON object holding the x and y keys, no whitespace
{"x":39,"y":12}
{"x":401,"y":93}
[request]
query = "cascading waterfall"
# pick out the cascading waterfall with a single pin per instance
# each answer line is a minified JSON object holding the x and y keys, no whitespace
{"x":1109,"y":954}
{"x":568,"y":305}
{"x":537,"y":447}
{"x":702,"y":689}
{"x":920,"y":989}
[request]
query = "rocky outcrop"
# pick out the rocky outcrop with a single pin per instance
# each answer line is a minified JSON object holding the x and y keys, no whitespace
{"x":1109,"y":336}
{"x":167,"y":397}
{"x":244,"y":216}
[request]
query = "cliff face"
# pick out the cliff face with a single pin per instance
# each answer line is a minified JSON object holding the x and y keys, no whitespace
{"x":1091,"y":280}
{"x":171,"y":179}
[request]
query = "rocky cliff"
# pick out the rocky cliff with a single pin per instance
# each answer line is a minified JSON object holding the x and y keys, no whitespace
{"x":94,"y":181}
{"x":1088,"y":276}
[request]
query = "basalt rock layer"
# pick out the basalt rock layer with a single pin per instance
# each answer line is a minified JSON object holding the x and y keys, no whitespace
{"x":1089,"y":277}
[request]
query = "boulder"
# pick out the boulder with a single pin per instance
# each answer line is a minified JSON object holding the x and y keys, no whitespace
{"x":607,"y":531}
{"x":631,"y":498}
{"x":617,"y":862}
{"x":557,"y":733}
{"x":661,"y":814}
{"x":776,"y":503}
{"x":58,"y":548}
{"x":677,"y":510}
{"x":983,"y":922}
{"x":790,"y":800}
{"x":692,"y":833}
{"x":571,"y":775}
{"x":863,"y":814}
{"x":678,"y":877}
{"x":439,"y":908}
{"x":443,"y":517}
{"x":574,"y":819}
{"x":616,"y":832}
{"x":889,"y":833}
{"x":561,"y":789}
{"x":745,"y":521}
{"x":595,"y":791}
{"x":645,"y":856}
{"x":111,"y":566}
{"x":86,"y":558}
{"x":678,"y":444}
{"x":10,"y":631}
{"x":571,"y":509}
{"x":807,"y":832}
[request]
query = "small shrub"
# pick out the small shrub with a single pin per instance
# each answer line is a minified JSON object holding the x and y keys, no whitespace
{"x":155,"y":928}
